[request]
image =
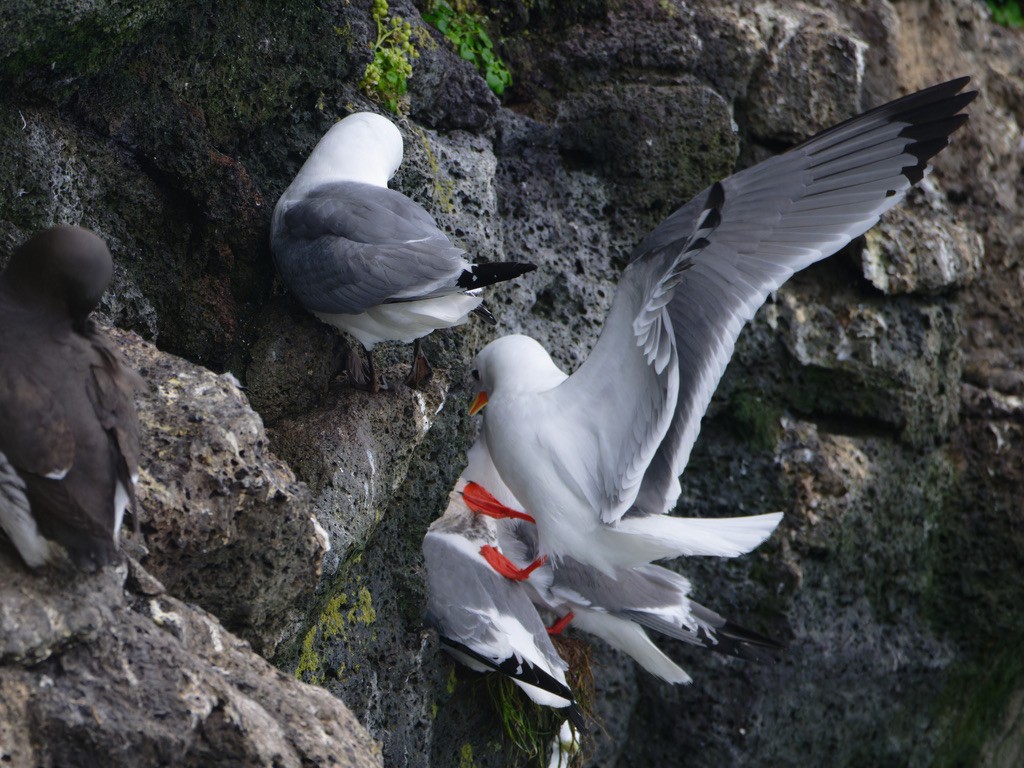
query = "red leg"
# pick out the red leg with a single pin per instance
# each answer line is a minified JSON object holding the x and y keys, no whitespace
{"x":479,"y":500}
{"x":506,"y":567}
{"x":559,"y":626}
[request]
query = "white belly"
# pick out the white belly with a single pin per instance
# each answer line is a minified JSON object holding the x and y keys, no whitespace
{"x":525,"y":465}
{"x":404,"y":321}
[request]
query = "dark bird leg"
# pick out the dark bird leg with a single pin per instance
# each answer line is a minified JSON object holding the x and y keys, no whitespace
{"x":421,"y":371}
{"x":363,"y":375}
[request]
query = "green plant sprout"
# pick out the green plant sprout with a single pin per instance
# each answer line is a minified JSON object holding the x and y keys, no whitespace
{"x":467,"y":32}
{"x":1008,"y":13}
{"x":388,"y":72}
{"x":529,"y":728}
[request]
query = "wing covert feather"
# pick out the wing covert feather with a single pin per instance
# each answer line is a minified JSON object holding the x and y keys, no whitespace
{"x":634,"y":366}
{"x":779,"y":217}
{"x":345,"y":247}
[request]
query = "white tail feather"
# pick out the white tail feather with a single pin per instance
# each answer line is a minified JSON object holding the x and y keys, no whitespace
{"x":665,"y":536}
{"x":631,"y":639}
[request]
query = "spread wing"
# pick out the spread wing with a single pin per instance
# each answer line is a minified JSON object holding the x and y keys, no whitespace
{"x":776,"y":218}
{"x":781,"y":216}
{"x":345,"y":247}
{"x":616,"y":408}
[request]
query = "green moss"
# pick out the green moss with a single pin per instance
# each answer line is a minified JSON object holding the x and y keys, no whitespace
{"x":466,"y":756}
{"x":333,"y":623}
{"x":443,"y":188}
{"x":452,"y":682}
{"x":974,"y":704}
{"x":1008,"y":13}
{"x":754,"y":419}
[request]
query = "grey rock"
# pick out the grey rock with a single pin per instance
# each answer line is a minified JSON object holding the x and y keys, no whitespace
{"x":911,"y":252}
{"x":855,"y":353}
{"x":292,"y":361}
{"x":446,"y":92}
{"x":108,"y":675}
{"x":813,"y":77}
{"x":658,"y":145}
{"x":225,"y":523}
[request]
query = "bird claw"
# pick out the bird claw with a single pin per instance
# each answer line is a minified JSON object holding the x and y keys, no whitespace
{"x":420,"y":373}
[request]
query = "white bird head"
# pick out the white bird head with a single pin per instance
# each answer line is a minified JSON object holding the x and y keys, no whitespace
{"x":363,"y":147}
{"x":513,"y":365}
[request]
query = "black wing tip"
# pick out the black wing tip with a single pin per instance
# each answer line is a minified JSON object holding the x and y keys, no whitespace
{"x":480,"y":275}
{"x":927,"y":112}
{"x":743,"y":643}
{"x":576,"y":717}
{"x":948,"y":91}
{"x":716,"y":196}
{"x":516,"y":669}
{"x":933,"y":115}
{"x":485,"y":314}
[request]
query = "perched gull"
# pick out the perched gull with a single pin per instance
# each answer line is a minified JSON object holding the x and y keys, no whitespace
{"x":69,"y":434}
{"x":616,"y":608}
{"x":607,"y":444}
{"x":484,"y":617}
{"x":367,"y":259}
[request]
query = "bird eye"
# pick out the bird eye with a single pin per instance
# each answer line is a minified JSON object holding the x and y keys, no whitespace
{"x":476,"y":374}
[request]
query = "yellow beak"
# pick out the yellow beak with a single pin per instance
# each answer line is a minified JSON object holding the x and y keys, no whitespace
{"x":478,"y":403}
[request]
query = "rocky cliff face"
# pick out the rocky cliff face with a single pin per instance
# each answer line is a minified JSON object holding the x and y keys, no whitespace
{"x":876,"y":400}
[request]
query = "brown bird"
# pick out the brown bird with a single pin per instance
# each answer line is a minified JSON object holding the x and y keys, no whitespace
{"x":69,"y":433}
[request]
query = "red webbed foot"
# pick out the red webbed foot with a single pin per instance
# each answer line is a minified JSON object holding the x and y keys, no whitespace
{"x":479,"y":500}
{"x":506,"y":567}
{"x":559,"y":626}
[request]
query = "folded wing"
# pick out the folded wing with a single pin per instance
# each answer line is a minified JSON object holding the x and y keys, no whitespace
{"x":345,"y":247}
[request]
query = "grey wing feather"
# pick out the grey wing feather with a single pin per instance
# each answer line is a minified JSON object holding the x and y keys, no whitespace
{"x":461,"y":594}
{"x":345,"y":247}
{"x":713,"y":631}
{"x":779,"y":217}
{"x":634,"y":365}
{"x":646,"y":588}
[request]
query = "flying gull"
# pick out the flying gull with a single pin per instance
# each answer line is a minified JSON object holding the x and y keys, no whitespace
{"x":484,"y":617}
{"x":608,"y":443}
{"x":69,"y":434}
{"x":617,"y":608}
{"x":367,"y":259}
